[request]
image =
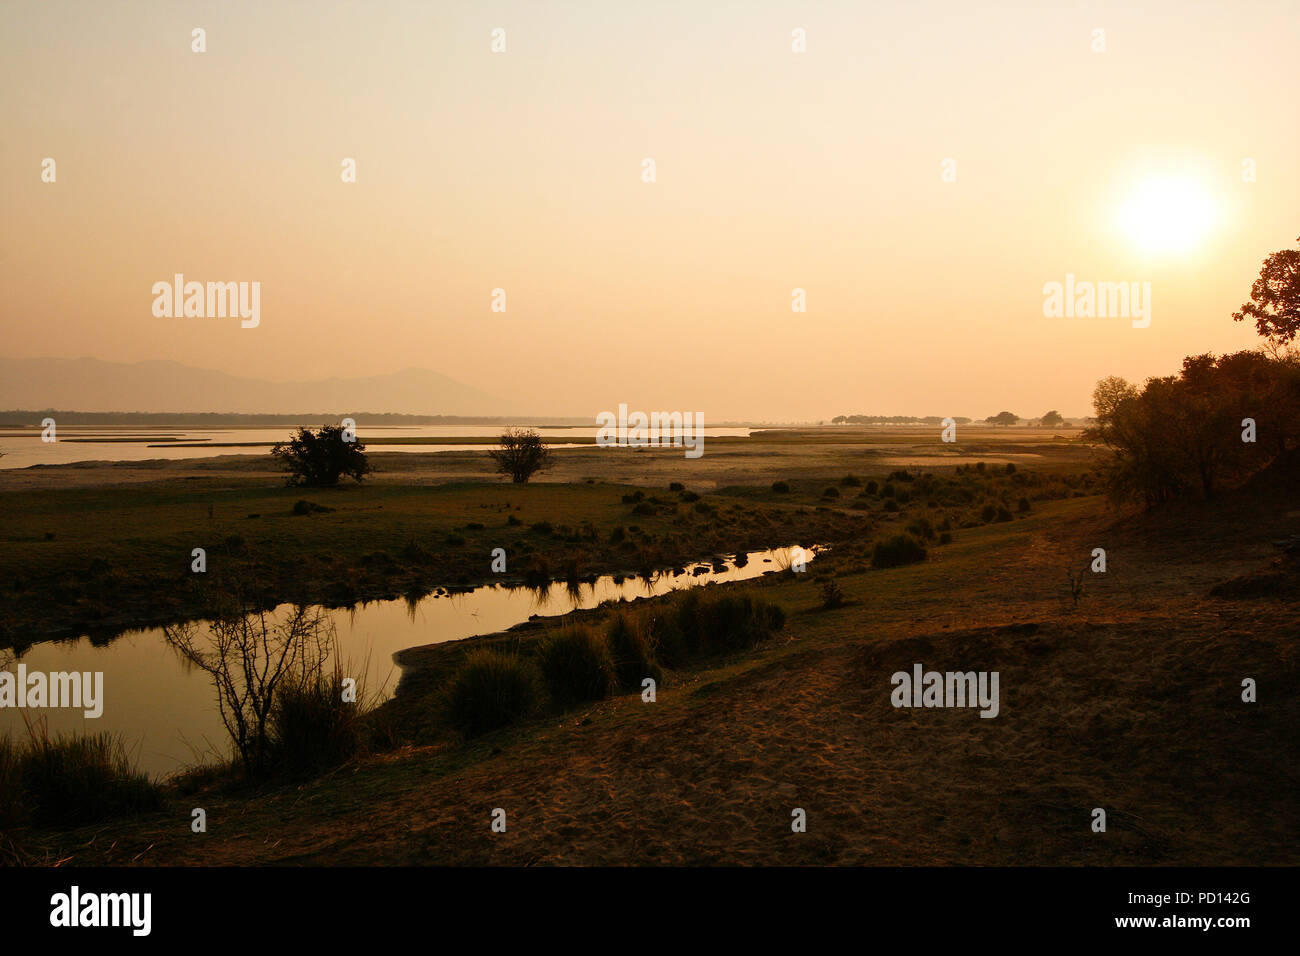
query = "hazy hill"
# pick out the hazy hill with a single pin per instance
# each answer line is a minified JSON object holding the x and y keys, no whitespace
{"x":156,"y":386}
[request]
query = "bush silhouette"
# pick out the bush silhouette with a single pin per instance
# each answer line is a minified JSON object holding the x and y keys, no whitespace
{"x":491,"y":689}
{"x":320,"y":458}
{"x":897,"y":551}
{"x":576,"y":666}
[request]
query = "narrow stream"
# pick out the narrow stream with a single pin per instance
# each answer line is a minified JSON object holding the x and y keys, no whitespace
{"x":165,"y":709}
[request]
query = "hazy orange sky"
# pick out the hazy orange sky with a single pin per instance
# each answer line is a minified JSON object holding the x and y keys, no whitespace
{"x":523,"y":170}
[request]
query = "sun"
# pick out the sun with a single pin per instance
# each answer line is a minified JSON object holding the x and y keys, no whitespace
{"x":1168,"y":214}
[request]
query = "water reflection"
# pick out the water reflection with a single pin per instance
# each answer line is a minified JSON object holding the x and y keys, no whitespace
{"x":160,"y":703}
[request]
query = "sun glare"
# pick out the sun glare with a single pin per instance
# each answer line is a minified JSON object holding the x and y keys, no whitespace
{"x":1167,"y":214}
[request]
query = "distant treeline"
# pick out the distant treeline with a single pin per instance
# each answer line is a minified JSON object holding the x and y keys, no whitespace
{"x":894,"y":420}
{"x":20,"y":418}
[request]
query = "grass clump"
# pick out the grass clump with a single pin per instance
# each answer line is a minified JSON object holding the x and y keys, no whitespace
{"x":896,"y":551}
{"x":576,"y":666}
{"x":490,"y":690}
{"x":313,"y":727}
{"x":631,"y":648}
{"x":70,"y":780}
{"x":716,"y":625}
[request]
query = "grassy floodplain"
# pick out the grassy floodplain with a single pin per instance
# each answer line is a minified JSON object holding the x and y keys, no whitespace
{"x":1127,"y":698}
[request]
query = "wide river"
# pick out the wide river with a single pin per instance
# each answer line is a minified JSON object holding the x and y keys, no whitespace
{"x":23,"y":447}
{"x":165,"y":709}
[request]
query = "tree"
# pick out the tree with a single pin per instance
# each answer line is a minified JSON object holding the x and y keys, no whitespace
{"x":1275,"y":298}
{"x":1053,"y":419}
{"x":1185,"y":432}
{"x":322,"y":457}
{"x":1003,"y":418}
{"x":250,"y":657}
{"x":521,"y":455}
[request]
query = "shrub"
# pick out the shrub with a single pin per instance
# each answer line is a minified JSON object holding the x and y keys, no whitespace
{"x":726,"y":623}
{"x":12,"y":810}
{"x":851,"y":481}
{"x":832,"y":595}
{"x":690,"y":496}
{"x":537,"y":571}
{"x":645,"y":508}
{"x":831,"y":492}
{"x":414,"y":551}
{"x":872,"y":487}
{"x":634,"y":497}
{"x":897,"y":551}
{"x":676,"y":486}
{"x":989,"y":513}
{"x":312,"y":727}
{"x":541,"y":527}
{"x":576,"y":666}
{"x":1023,"y":505}
{"x":632,"y":651}
{"x":321,"y":457}
{"x":945,"y":537}
{"x":490,"y":690}
{"x":513,"y":520}
{"x":522,"y":453}
{"x":781,"y":487}
{"x":71,"y":780}
{"x":888,"y":490}
{"x":921,"y":528}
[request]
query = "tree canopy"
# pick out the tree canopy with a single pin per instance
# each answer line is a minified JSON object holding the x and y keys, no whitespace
{"x":522,"y":454}
{"x":323,"y":456}
{"x":1275,"y":298}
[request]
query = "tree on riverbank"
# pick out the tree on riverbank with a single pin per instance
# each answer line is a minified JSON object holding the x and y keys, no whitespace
{"x":522,"y":454}
{"x":321,"y":457}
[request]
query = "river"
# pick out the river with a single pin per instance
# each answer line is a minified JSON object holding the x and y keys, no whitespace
{"x":165,"y":709}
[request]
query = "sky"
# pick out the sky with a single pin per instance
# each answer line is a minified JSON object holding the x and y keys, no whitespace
{"x":775,"y":170}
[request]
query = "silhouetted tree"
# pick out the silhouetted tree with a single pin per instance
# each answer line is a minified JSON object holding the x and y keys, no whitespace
{"x":1053,"y":419}
{"x":322,"y":457}
{"x":1003,"y":418}
{"x":522,"y":454}
{"x":1275,"y":298}
{"x":1185,"y":431}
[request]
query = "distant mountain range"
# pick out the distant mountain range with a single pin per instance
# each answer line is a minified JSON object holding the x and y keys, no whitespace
{"x":91,"y":385}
